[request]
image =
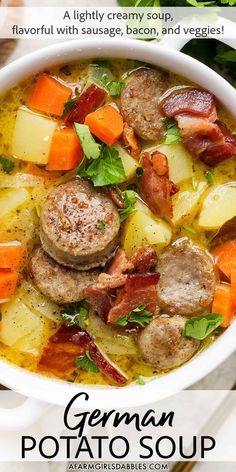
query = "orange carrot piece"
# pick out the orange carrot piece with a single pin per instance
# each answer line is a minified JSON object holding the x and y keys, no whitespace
{"x":8,"y":282}
{"x":225,"y":256}
{"x":38,"y":172}
{"x":106,"y":123}
{"x":66,"y":152}
{"x":233,"y":286}
{"x":11,"y":256}
{"x":159,"y":163}
{"x":222,"y":304}
{"x":49,"y":96}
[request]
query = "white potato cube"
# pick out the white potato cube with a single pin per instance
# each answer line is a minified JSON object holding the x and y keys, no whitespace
{"x":32,"y":136}
{"x":130,"y":164}
{"x":179,"y":160}
{"x":141,"y":228}
{"x":17,"y":321}
{"x":218,"y":207}
{"x":10,"y":200}
{"x":187,"y":203}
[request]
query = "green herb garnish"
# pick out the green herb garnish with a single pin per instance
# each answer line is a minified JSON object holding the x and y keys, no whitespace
{"x":189,"y":229}
{"x":209,"y":177}
{"x":68,"y":105}
{"x":86,"y":363}
{"x":201,"y":327}
{"x":139,"y":379}
{"x":114,"y":88}
{"x":139,"y":171}
{"x":91,"y":148}
{"x":194,"y":183}
{"x":172,"y":132}
{"x":107,"y":170}
{"x":75,"y":314}
{"x":139,"y":316}
{"x":101,"y":224}
{"x":129,"y":198}
{"x":6,"y":164}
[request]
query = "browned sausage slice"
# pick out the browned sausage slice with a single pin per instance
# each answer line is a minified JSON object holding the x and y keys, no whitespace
{"x":60,"y":284}
{"x":187,"y":279}
{"x":140,"y":103}
{"x":162,"y":344}
{"x":79,"y":225}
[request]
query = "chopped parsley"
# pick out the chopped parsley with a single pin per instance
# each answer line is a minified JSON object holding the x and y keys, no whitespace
{"x":105,"y":170}
{"x":139,"y":316}
{"x":101,"y":224}
{"x":209,"y":177}
{"x":86,"y":363}
{"x":114,"y":88}
{"x":6,"y":164}
{"x":129,"y":198}
{"x":76,"y":314}
{"x":189,"y":229}
{"x":139,"y":171}
{"x":172,"y":132}
{"x":68,"y":105}
{"x":139,"y":379}
{"x":200,"y":327}
{"x":91,"y":148}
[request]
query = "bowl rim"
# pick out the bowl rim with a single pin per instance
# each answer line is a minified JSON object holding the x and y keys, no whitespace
{"x":59,"y":392}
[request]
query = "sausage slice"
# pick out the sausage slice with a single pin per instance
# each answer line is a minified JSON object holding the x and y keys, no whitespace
{"x":79,"y":225}
{"x":140,"y":103}
{"x":162,"y":344}
{"x":60,"y":284}
{"x":187,"y":280}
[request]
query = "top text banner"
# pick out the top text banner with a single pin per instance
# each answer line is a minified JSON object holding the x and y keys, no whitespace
{"x":106,"y":22}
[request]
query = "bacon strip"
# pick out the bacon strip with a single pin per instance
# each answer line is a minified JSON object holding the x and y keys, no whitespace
{"x":70,"y":342}
{"x":196,"y":115}
{"x":144,"y":259}
{"x":99,"y":299}
{"x":131,"y":141}
{"x":92,"y":98}
{"x":197,"y":102}
{"x":156,"y":190}
{"x":140,"y":289}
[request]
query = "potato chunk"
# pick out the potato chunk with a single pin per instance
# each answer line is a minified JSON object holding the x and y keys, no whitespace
{"x":21,"y":328}
{"x":10,"y":200}
{"x":179,"y":160}
{"x":130,"y":164}
{"x":143,"y":228}
{"x":218,"y":207}
{"x":32,"y":136}
{"x":187,"y":203}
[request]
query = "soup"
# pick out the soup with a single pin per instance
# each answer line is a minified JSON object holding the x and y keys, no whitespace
{"x":117,"y":193}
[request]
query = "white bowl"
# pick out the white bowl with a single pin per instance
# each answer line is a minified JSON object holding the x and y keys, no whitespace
{"x":60,"y":392}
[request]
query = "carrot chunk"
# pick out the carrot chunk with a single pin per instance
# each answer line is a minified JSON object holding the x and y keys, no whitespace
{"x":106,"y":123}
{"x":233,"y":286}
{"x":11,"y":256}
{"x":223,"y":304}
{"x":225,"y":256}
{"x":49,"y":96}
{"x":66,"y":152}
{"x":8,"y":282}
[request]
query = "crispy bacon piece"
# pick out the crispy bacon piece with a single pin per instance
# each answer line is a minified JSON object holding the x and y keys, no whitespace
{"x":156,"y":190}
{"x":139,"y":289}
{"x":195,"y":112}
{"x":192,"y":101}
{"x":59,"y":355}
{"x":100,"y":300}
{"x":212,"y":142}
{"x":131,"y":141}
{"x":144,"y":259}
{"x":114,"y":195}
{"x":160,"y":163}
{"x":70,"y":342}
{"x":92,"y":98}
